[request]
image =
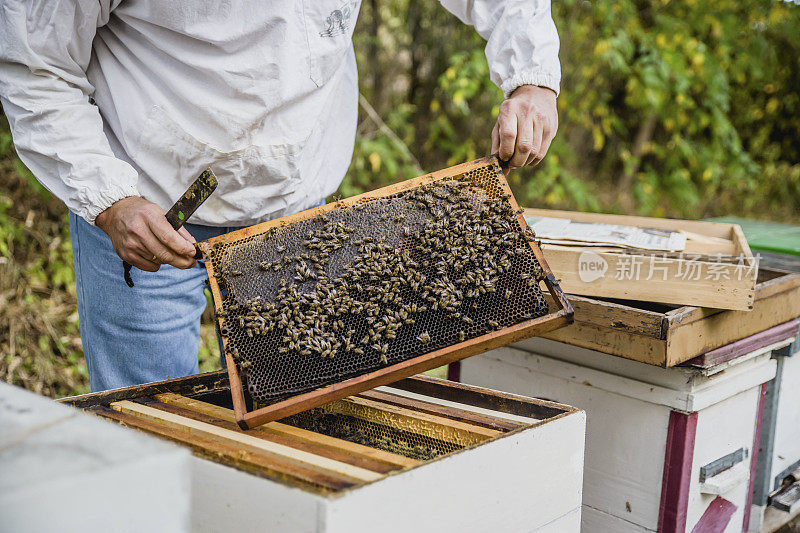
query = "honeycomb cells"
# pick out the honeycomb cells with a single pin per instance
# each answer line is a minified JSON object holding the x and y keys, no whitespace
{"x":406,"y":441}
{"x":343,"y":293}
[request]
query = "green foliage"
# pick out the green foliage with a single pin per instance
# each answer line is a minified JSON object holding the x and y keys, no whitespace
{"x":667,"y":108}
{"x":40,"y":345}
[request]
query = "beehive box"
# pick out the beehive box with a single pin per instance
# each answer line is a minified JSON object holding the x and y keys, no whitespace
{"x":423,"y":454}
{"x":668,"y":449}
{"x":715,"y":269}
{"x":666,"y":335}
{"x":779,"y":458}
{"x":57,"y":466}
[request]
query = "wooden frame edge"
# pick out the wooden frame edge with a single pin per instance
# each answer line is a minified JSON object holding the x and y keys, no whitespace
{"x":563,"y":316}
{"x":404,"y":369}
{"x":351,"y":201}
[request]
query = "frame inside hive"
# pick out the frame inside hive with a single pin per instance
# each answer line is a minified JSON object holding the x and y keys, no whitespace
{"x":349,"y":451}
{"x":250,"y":415}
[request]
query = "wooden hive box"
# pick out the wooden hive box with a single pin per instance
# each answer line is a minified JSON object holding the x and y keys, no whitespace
{"x":716,"y":268}
{"x":666,"y":335}
{"x":779,"y":458}
{"x":57,"y":466}
{"x":422,"y":454}
{"x":667,"y":449}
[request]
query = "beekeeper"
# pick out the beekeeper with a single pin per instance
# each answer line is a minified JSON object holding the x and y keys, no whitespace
{"x":117,"y":106}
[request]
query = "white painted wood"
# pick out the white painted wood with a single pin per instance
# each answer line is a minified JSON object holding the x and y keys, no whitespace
{"x":674,"y":378}
{"x":786,"y":451}
{"x":721,"y":429}
{"x":596,"y":521}
{"x":62,"y":470}
{"x":757,"y":516}
{"x":704,"y":392}
{"x":775,"y":519}
{"x":456,"y":405}
{"x":528,"y":481}
{"x":73,"y":472}
{"x":617,"y":475}
{"x":726,"y":480}
{"x":568,"y":522}
{"x":628,"y":405}
{"x":593,"y":359}
{"x":226,"y":499}
{"x":519,"y":482}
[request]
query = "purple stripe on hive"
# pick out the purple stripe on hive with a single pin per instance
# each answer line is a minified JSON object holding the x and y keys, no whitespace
{"x":716,"y":517}
{"x":677,"y":472}
{"x":762,"y":394}
{"x":454,"y":371}
{"x":746,"y":345}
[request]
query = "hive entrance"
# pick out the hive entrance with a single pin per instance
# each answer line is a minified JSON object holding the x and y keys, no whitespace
{"x":348,"y":289}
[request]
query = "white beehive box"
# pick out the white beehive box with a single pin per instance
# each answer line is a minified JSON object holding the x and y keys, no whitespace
{"x":525,"y":478}
{"x":62,"y":470}
{"x":668,"y":449}
{"x":525,"y":482}
{"x":780,"y":441}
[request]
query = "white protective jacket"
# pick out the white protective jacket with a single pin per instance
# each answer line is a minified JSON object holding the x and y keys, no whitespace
{"x":113,"y":98}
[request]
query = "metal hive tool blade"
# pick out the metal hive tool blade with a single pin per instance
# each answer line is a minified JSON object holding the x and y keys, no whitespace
{"x":358,"y":293}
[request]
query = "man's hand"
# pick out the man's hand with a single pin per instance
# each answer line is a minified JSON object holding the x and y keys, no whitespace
{"x":143,"y":237}
{"x":526,"y":125}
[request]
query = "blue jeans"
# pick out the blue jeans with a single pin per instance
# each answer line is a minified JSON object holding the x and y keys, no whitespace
{"x":136,"y":335}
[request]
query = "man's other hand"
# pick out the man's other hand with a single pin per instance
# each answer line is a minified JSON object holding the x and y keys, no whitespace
{"x":142,"y":236}
{"x":526,"y":125}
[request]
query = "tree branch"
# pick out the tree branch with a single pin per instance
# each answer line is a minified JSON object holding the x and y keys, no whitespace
{"x":643,"y":136}
{"x":386,"y":130}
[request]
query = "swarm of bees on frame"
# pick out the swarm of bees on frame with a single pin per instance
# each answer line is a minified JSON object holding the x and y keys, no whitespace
{"x":376,"y":283}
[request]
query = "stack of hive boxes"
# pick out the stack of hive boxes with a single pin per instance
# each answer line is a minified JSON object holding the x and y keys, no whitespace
{"x":688,"y":425}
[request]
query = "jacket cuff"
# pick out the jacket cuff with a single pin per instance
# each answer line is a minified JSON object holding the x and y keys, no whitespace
{"x":99,"y":201}
{"x":541,"y":79}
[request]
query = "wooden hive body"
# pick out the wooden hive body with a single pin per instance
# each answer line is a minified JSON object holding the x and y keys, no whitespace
{"x":505,"y":461}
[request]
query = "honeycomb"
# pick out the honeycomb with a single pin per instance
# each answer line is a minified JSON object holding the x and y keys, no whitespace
{"x":396,"y":439}
{"x":356,"y":288}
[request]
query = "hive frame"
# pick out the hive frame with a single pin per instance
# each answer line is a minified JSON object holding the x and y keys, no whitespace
{"x":251,"y":418}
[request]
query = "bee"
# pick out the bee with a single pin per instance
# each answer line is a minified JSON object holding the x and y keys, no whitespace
{"x":281,"y":248}
{"x":424,"y":337}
